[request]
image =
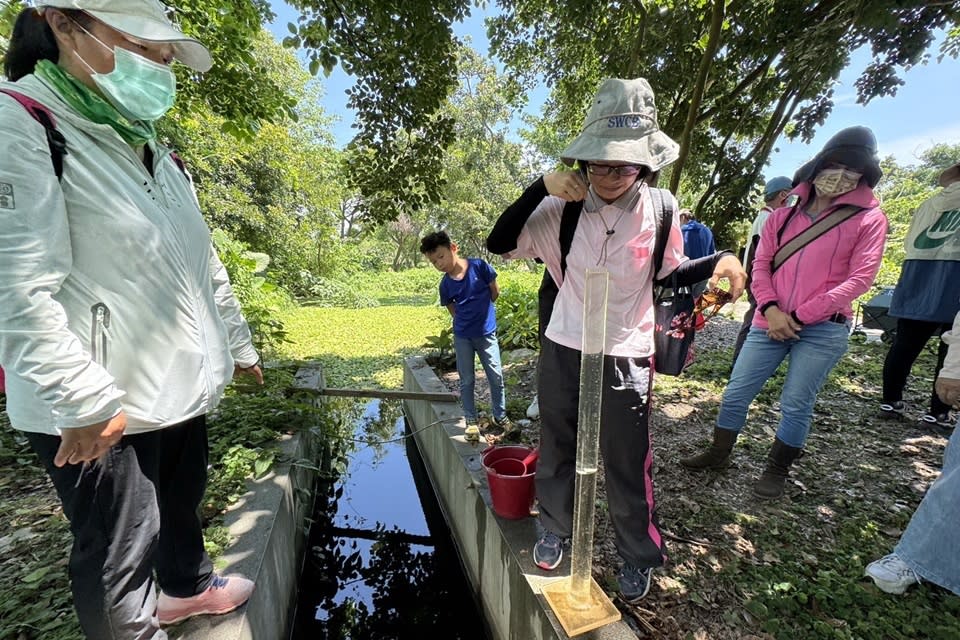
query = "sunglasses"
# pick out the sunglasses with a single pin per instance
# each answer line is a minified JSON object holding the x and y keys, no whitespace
{"x":710,"y":302}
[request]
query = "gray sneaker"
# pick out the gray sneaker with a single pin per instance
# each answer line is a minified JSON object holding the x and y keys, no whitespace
{"x":891,"y":574}
{"x":891,"y":411}
{"x":548,"y":551}
{"x":472,"y":432}
{"x":508,"y":428}
{"x":634,"y":582}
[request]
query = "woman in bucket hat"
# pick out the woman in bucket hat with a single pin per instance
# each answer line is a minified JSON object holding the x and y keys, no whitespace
{"x":617,"y":152}
{"x":120,"y":329}
{"x":804,"y":305}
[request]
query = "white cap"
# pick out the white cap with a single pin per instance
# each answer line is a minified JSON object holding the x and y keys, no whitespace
{"x":144,"y":20}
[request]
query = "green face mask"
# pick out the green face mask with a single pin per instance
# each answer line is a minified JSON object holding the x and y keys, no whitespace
{"x":140,"y":89}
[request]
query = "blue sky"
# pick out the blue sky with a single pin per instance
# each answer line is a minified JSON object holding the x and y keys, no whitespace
{"x":919,"y":116}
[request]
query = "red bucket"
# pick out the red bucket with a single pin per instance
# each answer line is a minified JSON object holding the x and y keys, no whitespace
{"x":510,"y":480}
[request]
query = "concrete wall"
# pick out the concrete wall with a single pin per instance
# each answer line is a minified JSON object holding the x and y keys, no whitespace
{"x":267,"y":529}
{"x":267,"y":526}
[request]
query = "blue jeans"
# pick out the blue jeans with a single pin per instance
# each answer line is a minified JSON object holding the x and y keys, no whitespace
{"x":488,"y":349}
{"x":812,"y":356}
{"x":927,"y":545}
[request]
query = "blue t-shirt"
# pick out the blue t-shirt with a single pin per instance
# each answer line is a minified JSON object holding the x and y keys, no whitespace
{"x":697,"y":240}
{"x":475,"y":315}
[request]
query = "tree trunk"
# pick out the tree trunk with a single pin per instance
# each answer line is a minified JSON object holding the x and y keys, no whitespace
{"x":713,"y":43}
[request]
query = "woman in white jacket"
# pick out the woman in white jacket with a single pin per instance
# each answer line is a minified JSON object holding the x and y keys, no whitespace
{"x":119,"y":329}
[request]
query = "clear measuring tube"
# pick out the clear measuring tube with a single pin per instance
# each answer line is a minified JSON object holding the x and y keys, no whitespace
{"x":588,"y":430}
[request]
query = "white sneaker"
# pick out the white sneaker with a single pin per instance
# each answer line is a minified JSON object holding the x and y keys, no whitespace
{"x":533,"y":411}
{"x":891,"y":574}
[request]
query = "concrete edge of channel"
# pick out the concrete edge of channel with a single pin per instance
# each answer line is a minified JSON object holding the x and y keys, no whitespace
{"x":495,"y":552}
{"x":267,"y":529}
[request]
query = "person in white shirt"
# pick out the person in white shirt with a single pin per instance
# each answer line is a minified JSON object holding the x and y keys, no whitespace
{"x":619,"y":147}
{"x":120,"y":329}
{"x":775,"y":194}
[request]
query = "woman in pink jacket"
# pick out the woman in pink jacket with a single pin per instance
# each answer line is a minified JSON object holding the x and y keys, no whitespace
{"x":804,"y":303}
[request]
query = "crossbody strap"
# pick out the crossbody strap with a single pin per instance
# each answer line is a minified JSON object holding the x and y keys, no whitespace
{"x":811,"y":233}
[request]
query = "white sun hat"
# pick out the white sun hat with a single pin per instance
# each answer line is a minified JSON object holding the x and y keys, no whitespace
{"x":621,"y":126}
{"x":144,"y":20}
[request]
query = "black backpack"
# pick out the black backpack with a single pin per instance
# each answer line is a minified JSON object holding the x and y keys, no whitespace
{"x":670,"y":303}
{"x":661,"y":204}
{"x":547,"y":294}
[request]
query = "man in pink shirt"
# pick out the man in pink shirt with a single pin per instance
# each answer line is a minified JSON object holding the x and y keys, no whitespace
{"x":804,"y":299}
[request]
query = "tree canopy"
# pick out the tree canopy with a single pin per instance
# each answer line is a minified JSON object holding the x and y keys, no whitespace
{"x":730,"y":76}
{"x":403,"y":55}
{"x":238,"y":87}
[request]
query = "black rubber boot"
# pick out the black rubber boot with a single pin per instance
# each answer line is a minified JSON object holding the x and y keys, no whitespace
{"x":717,"y":456}
{"x":770,"y":484}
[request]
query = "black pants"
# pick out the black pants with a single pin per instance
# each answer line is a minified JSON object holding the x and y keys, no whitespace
{"x":134,"y":511}
{"x":911,"y":337}
{"x":624,"y":445}
{"x":744,"y":327}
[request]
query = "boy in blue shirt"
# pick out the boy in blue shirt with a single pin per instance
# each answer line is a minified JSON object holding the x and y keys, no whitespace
{"x":468,"y":289}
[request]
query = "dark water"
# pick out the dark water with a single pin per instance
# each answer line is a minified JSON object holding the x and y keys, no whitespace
{"x":380,"y":563}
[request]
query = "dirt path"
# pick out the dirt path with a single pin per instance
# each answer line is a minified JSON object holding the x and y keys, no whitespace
{"x":741,"y":568}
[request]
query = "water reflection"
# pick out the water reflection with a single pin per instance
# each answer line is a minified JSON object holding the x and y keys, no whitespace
{"x":379,"y":561}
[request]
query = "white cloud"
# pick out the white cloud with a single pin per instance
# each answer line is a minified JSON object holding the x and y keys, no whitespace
{"x":846,"y":100}
{"x":907,"y":149}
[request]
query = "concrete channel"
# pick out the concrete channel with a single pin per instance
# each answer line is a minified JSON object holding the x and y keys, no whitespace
{"x":268,"y":527}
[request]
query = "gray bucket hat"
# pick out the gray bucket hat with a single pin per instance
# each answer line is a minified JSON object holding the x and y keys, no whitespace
{"x":146,"y":20}
{"x":621,"y":126}
{"x":854,"y":147}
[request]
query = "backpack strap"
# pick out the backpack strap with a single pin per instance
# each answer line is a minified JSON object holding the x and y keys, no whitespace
{"x":568,"y":226}
{"x":663,"y":206}
{"x":43,"y":115}
{"x":177,"y":160}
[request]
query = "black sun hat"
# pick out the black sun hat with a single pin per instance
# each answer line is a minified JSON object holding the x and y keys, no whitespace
{"x":856,"y":147}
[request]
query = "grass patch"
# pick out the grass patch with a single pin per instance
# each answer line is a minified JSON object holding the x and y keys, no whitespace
{"x":361,"y":347}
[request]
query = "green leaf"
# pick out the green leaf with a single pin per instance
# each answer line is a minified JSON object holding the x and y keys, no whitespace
{"x":36,"y":575}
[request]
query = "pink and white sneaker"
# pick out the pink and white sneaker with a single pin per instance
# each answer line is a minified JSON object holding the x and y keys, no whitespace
{"x":222,"y":596}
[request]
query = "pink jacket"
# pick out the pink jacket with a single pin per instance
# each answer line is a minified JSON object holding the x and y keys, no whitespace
{"x":827,"y":275}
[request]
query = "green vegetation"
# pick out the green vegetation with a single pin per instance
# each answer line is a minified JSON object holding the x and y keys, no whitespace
{"x":321,"y":244}
{"x":784,"y":570}
{"x":793,"y":568}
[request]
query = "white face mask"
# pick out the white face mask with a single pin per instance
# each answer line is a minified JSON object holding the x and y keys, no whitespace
{"x":140,"y":89}
{"x":836,"y":182}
